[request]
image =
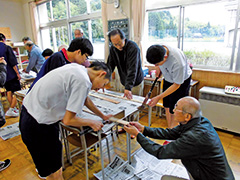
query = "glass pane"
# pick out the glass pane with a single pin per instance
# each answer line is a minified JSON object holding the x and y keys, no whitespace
{"x":97,"y":39}
{"x":47,"y":41}
{"x":208,"y":38}
{"x":44,"y":12}
{"x":83,"y":25}
{"x":163,"y":26}
{"x":60,"y":36}
{"x":95,"y":5}
{"x":77,"y":7}
{"x":59,"y":9}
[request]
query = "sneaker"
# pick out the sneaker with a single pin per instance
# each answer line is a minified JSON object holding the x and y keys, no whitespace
{"x":11,"y":112}
{"x":4,"y":164}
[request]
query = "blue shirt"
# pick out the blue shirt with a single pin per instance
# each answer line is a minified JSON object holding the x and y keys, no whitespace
{"x":36,"y":59}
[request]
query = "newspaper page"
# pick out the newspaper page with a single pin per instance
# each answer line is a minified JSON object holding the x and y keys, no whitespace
{"x":144,"y":167}
{"x":111,"y":168}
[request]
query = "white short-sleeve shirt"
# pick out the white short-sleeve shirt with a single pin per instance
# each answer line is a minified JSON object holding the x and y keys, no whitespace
{"x":64,"y":88}
{"x":176,"y":69}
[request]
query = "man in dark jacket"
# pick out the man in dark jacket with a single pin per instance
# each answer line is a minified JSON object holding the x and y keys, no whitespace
{"x":125,"y":54}
{"x":196,"y":142}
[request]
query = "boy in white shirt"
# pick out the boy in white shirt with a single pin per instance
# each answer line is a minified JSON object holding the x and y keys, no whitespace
{"x":59,"y":96}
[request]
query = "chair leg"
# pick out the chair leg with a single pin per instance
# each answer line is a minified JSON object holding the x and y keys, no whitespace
{"x":82,"y":139}
{"x":108,"y":150}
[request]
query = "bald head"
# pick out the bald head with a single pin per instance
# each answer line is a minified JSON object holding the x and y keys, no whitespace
{"x":191,"y":105}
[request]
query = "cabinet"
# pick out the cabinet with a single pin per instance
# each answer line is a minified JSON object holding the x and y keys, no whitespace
{"x":223,"y":110}
{"x":21,"y":53}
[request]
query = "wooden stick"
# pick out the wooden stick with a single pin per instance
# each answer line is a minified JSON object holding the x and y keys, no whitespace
{"x":120,"y":121}
{"x":113,"y":119}
{"x":113,"y":95}
{"x":104,"y":98}
{"x":134,"y":100}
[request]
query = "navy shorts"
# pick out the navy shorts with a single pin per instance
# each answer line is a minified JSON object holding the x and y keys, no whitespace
{"x":13,"y":85}
{"x":170,"y":100}
{"x":42,"y":142}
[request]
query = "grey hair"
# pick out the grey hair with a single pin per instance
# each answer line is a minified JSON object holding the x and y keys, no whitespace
{"x":192,"y":106}
{"x":79,"y":29}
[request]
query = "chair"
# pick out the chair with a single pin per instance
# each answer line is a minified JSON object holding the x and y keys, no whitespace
{"x":84,"y":142}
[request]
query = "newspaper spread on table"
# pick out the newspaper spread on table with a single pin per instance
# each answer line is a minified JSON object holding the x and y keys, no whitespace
{"x":144,"y":167}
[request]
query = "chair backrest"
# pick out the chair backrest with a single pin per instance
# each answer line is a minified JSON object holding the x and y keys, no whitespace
{"x":74,"y":130}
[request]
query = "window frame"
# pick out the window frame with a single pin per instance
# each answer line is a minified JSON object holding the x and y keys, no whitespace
{"x":234,"y":64}
{"x":68,"y":20}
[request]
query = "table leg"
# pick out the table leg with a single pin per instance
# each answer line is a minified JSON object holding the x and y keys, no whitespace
{"x":149,"y":116}
{"x":128,"y":146}
{"x":101,"y":154}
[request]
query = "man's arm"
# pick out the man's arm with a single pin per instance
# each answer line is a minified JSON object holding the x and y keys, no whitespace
{"x":3,"y":71}
{"x":133,"y":60}
{"x":17,"y":72}
{"x":182,"y":147}
{"x":110,"y":61}
{"x":32,"y":62}
{"x":167,"y":92}
{"x":70,"y":119}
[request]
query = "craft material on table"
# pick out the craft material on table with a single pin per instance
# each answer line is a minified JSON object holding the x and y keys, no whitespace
{"x":105,"y":98}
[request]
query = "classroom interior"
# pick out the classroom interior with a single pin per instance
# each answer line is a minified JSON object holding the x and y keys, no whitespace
{"x":20,"y":18}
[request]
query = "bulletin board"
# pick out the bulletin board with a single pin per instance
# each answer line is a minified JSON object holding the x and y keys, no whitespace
{"x":6,"y":31}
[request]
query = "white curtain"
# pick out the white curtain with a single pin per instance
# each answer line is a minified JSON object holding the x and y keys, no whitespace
{"x":138,"y":19}
{"x":34,"y":21}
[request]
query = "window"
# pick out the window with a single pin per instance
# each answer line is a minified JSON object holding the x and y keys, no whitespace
{"x":206,"y":32}
{"x":57,"y":28}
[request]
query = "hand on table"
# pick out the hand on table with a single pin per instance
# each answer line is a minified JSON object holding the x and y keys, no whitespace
{"x":127,"y":94}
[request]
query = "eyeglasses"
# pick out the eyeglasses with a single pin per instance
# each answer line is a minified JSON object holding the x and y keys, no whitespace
{"x":184,"y":112}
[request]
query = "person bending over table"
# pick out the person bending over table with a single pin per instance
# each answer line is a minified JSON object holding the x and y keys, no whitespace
{"x":173,"y":65}
{"x":77,"y":52}
{"x":125,"y":54}
{"x":59,"y":96}
{"x":196,"y":142}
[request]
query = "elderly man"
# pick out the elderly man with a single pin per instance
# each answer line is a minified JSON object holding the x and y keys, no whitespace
{"x":196,"y":142}
{"x":125,"y":54}
{"x":78,"y":33}
{"x":36,"y":59}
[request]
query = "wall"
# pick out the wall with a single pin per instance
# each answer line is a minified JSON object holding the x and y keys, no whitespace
{"x":215,"y":79}
{"x":11,"y":13}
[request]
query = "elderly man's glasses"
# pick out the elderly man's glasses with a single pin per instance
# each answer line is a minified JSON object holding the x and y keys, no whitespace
{"x":184,"y":112}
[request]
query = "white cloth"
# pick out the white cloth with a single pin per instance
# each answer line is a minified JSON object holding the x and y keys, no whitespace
{"x":176,"y":69}
{"x":64,"y":88}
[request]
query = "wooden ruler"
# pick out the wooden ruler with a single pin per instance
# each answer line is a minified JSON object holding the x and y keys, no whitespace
{"x":121,"y":97}
{"x":105,"y":98}
{"x":120,"y":121}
